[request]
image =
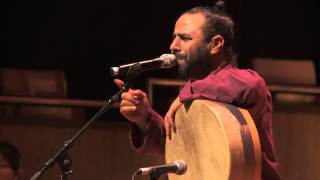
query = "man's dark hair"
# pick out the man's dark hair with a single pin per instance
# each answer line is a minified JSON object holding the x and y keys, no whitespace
{"x":11,"y":154}
{"x":217,"y":22}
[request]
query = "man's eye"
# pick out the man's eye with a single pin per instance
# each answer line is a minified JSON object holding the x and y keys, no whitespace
{"x":185,"y":38}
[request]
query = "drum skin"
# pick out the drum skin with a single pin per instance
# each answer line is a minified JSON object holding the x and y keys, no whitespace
{"x":217,"y":141}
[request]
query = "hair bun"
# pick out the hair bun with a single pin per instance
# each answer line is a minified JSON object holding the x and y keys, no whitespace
{"x":219,"y":5}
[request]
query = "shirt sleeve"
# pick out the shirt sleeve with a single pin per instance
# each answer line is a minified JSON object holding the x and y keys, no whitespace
{"x":228,"y":88}
{"x":153,"y":140}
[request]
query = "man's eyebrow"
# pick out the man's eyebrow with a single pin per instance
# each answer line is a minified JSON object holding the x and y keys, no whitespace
{"x":184,"y":35}
{"x":174,"y":35}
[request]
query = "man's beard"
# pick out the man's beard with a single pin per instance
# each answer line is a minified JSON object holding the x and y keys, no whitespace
{"x":197,"y":64}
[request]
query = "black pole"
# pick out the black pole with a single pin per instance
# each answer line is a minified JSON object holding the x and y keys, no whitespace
{"x":154,"y":176}
{"x":61,"y":156}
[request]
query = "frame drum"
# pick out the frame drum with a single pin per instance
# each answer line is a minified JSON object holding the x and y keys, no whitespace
{"x":217,"y":141}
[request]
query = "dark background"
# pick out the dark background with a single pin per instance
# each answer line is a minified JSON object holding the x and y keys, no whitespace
{"x":85,"y":38}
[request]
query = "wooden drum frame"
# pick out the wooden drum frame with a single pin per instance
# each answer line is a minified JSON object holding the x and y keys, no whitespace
{"x":217,"y":141}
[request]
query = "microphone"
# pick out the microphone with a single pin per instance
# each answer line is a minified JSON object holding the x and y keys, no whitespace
{"x":164,"y":61}
{"x":178,"y":167}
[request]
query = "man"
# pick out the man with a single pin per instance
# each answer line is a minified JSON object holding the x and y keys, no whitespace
{"x":9,"y":162}
{"x":202,"y":42}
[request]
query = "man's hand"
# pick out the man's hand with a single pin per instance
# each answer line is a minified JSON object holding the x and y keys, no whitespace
{"x":134,"y":106}
{"x":169,"y":121}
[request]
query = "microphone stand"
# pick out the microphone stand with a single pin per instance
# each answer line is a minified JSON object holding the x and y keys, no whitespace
{"x":61,"y":157}
{"x":154,"y":176}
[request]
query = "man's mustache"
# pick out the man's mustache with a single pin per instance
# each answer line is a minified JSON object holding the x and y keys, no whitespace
{"x":180,"y":56}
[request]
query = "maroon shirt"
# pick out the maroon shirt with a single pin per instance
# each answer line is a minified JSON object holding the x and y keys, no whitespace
{"x":242,"y":88}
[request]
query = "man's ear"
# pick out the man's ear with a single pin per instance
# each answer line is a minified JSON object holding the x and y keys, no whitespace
{"x":217,"y":42}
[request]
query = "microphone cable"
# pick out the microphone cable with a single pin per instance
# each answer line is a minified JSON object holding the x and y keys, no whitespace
{"x":134,"y":174}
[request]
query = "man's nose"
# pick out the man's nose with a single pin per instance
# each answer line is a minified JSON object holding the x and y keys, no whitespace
{"x":175,"y":46}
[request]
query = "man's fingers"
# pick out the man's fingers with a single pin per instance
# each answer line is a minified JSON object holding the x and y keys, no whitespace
{"x":169,"y":124}
{"x":131,"y":95}
{"x":138,"y":93}
{"x":119,"y":83}
{"x":173,"y":124}
{"x":175,"y":105}
{"x":167,"y":128}
{"x":128,"y":109}
{"x":171,"y":121}
{"x":126,"y":97}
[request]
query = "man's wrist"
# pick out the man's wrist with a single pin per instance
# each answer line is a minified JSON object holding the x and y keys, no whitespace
{"x":143,"y":124}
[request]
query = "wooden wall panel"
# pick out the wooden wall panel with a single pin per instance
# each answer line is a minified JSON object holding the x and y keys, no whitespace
{"x":297,"y":137}
{"x":103,"y":152}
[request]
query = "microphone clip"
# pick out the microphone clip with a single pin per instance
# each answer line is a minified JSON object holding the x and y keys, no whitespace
{"x":134,"y":71}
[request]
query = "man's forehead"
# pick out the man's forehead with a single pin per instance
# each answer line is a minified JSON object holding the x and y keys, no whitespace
{"x":188,"y":23}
